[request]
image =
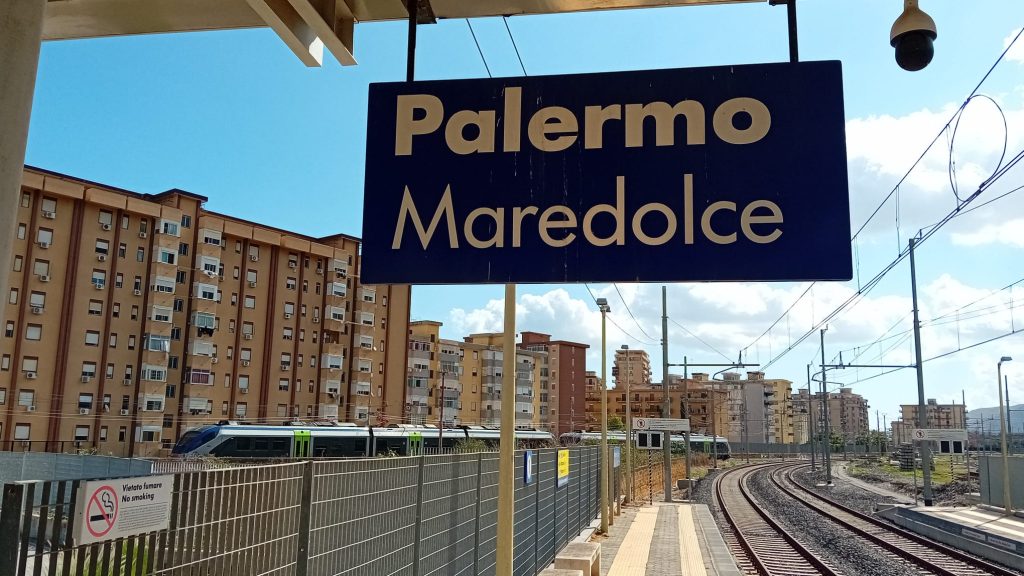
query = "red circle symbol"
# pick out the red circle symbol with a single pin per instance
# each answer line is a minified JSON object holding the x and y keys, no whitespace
{"x":101,"y":512}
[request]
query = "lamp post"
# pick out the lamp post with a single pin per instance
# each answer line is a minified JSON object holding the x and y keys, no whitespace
{"x":1007,"y":504}
{"x":602,"y":303}
{"x":440,"y":420}
{"x":629,"y":427}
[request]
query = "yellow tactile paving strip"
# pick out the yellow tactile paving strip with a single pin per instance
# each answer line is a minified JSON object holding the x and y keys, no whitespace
{"x":689,"y":548}
{"x":636,"y":547}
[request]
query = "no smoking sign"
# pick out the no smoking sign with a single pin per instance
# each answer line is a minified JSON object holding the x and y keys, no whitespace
{"x":122,"y":507}
{"x":101,"y":512}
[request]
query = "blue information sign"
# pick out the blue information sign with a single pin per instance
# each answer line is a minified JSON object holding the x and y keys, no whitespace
{"x":528,"y":467}
{"x":704,"y":174}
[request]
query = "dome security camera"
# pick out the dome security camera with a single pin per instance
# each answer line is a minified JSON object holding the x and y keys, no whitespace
{"x":912,"y":36}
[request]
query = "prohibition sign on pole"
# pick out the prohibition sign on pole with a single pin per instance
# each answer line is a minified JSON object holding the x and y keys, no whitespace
{"x":101,"y":511}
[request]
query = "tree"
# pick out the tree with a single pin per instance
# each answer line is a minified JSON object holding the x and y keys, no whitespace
{"x":615,"y":423}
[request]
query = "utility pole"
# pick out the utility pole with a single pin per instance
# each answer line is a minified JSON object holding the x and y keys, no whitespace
{"x":686,"y":414}
{"x":606,"y":474}
{"x":1009,"y":423}
{"x":810,"y":416}
{"x":629,"y":427}
{"x":440,"y":421}
{"x":827,"y":442}
{"x":666,"y":405}
{"x":922,"y":417}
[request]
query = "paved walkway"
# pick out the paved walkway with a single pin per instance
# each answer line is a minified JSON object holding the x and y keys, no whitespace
{"x":666,"y":539}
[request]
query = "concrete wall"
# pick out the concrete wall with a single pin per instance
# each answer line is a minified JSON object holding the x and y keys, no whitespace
{"x":990,"y":475}
{"x":17,"y":466}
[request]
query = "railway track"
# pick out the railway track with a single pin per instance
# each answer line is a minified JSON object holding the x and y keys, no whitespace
{"x":760,"y":544}
{"x":932,"y":557}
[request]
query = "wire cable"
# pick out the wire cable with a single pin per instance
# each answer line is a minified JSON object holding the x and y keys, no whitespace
{"x":512,"y":38}
{"x":478,"y":49}
{"x":699,"y":339}
{"x":626,"y":306}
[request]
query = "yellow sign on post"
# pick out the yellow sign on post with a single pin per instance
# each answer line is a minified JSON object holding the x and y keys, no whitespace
{"x":563,"y":467}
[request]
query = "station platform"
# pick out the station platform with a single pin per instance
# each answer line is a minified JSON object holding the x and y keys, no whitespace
{"x":666,"y":539}
{"x":982,"y":531}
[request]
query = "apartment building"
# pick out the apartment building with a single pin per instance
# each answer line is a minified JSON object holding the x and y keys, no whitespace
{"x":563,"y":393}
{"x":847,"y":412}
{"x":708,"y":410}
{"x":133,"y":318}
{"x":632,"y":367}
{"x":936,"y":416}
{"x":760,"y":409}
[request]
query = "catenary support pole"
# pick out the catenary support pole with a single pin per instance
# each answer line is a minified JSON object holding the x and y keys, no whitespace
{"x":21,"y":31}
{"x":666,"y":405}
{"x":922,"y":415}
{"x":810,"y":415}
{"x":506,"y":465}
{"x":686,"y":414}
{"x":826,"y":445}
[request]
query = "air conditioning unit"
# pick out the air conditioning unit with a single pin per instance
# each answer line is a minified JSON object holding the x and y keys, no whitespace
{"x":83,"y":411}
{"x":210,"y":273}
{"x":293,"y":265}
{"x":252,"y":284}
{"x":244,"y":391}
{"x":31,"y":408}
{"x":127,"y":381}
{"x":101,"y":257}
{"x":142,"y":234}
{"x":124,"y":411}
{"x":106,"y":227}
{"x":247,"y":336}
{"x":254,"y":258}
{"x":285,"y":367}
{"x":98,"y":285}
{"x":44,"y":245}
{"x":137,"y":292}
{"x":44,"y":277}
{"x":287,"y":315}
{"x":245,"y":362}
{"x":49,"y":215}
{"x":316,"y":320}
{"x":31,"y":375}
{"x":37,"y":310}
{"x":213,"y":360}
{"x":86,"y":379}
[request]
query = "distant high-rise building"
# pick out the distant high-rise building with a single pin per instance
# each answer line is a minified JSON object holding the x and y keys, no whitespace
{"x":133,"y":318}
{"x":563,"y":394}
{"x":936,"y":416}
{"x":759,"y":409}
{"x":847,"y":413}
{"x":632,"y":367}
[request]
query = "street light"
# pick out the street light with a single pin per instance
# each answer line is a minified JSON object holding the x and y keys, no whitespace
{"x":1007,"y":505}
{"x":602,"y":304}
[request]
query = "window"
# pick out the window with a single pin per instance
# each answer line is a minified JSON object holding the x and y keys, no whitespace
{"x":282,"y":410}
{"x":37,"y":299}
{"x":9,"y":329}
{"x":106,"y":217}
{"x":186,"y":221}
{"x":92,"y":338}
{"x":161,"y":314}
{"x":286,"y":360}
{"x":49,"y":205}
{"x":366,"y":319}
{"x":13,"y":297}
{"x":44,"y":237}
{"x":135,"y":313}
{"x":158,"y":343}
{"x":254,"y":253}
{"x":289,"y":283}
{"x":289,"y":308}
{"x":3,"y":395}
{"x":240,"y":409}
{"x":250,"y":276}
{"x":181,"y":277}
{"x":337,"y":289}
{"x":168,"y":227}
{"x":151,"y":403}
{"x":102,"y":247}
{"x":179,"y":305}
{"x":175,"y":333}
{"x":99,"y":278}
{"x":172,"y":363}
{"x":122,"y":250}
{"x":209,"y":265}
{"x":41,"y":268}
{"x":29,"y":364}
{"x":21,"y":231}
{"x":282,"y":384}
{"x":125,"y":222}
{"x":122,"y":433}
{"x":336,"y":313}
{"x":166,"y":256}
{"x":22,"y":431}
{"x":26,"y":200}
{"x":288,"y":333}
{"x":85,"y":401}
{"x":103,"y":433}
{"x":89,"y":369}
{"x":109,"y":375}
{"x":131,"y":341}
{"x":33,"y":332}
{"x":204,"y":377}
{"x":137,"y":284}
{"x":245,"y":355}
{"x":95,"y":307}
{"x":154,"y":373}
{"x":206,"y":292}
{"x":5,"y":362}
{"x":112,"y":340}
{"x":182,"y":249}
{"x":163,"y":284}
{"x":18,"y":263}
{"x":119,"y":280}
{"x":369,"y":295}
{"x":143,"y":226}
{"x":204,"y":320}
{"x":250,"y":302}
{"x":243,"y":383}
{"x":211,"y":237}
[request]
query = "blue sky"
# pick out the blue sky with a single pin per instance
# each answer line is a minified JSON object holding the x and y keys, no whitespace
{"x":235,"y":116}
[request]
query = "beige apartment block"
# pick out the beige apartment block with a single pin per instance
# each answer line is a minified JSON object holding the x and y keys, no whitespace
{"x":564,"y":381}
{"x":707,"y":409}
{"x":632,"y":367}
{"x":847,"y":412}
{"x":936,"y":416}
{"x":759,"y":409}
{"x":133,"y":318}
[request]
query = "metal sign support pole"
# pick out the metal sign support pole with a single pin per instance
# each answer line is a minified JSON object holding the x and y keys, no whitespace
{"x":506,"y":464}
{"x":922,"y":415}
{"x":666,"y":405}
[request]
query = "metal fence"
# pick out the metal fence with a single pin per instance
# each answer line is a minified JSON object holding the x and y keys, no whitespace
{"x":414,"y":516}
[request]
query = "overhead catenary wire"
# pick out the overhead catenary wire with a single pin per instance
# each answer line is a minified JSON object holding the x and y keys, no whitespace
{"x":626,"y":306}
{"x":699,"y":339}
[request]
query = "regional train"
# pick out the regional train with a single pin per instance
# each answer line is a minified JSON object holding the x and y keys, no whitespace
{"x":230,"y":439}
{"x":699,"y":443}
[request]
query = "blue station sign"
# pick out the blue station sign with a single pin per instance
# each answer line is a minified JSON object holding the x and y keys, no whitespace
{"x":705,"y":174}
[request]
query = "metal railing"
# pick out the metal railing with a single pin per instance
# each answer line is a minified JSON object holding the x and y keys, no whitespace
{"x":421,"y":516}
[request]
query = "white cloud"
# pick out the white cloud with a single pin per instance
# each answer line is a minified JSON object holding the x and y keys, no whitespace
{"x":1010,"y":232}
{"x":1017,"y":53}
